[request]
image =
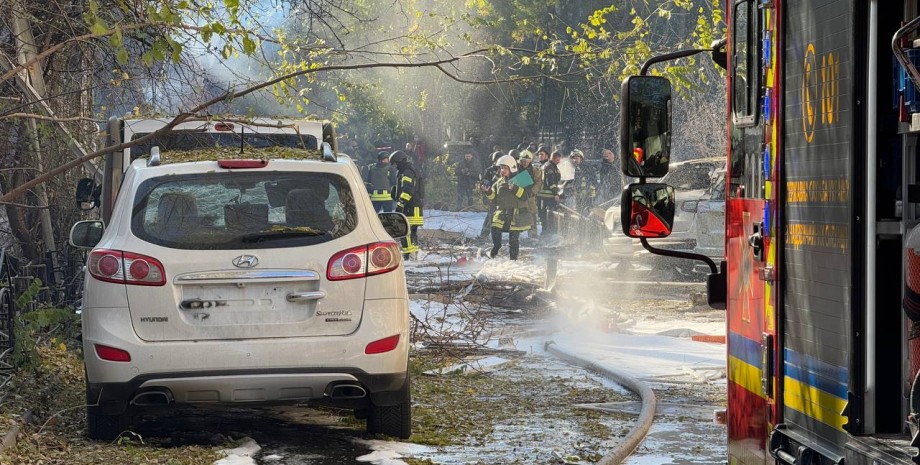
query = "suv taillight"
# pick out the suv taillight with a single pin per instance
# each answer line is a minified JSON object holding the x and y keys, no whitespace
{"x":363,"y":261}
{"x":116,"y":266}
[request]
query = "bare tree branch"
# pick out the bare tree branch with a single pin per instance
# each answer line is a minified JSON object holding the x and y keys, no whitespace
{"x":230,"y":95}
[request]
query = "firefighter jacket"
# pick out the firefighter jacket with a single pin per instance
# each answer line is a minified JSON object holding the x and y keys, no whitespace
{"x":583,"y":185}
{"x":379,"y":178}
{"x":609,"y":179}
{"x":552,"y":181}
{"x":512,"y":206}
{"x":408,"y":193}
{"x":534,"y":188}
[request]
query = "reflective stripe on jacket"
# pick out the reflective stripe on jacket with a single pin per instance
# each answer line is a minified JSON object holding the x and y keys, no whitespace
{"x":551,"y":179}
{"x":408,"y":195}
{"x":380,"y":177}
{"x":511,"y":203}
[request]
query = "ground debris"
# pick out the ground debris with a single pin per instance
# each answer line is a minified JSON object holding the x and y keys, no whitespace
{"x":471,"y":365}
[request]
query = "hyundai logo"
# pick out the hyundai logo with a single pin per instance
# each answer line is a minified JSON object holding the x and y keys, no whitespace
{"x":246,"y":261}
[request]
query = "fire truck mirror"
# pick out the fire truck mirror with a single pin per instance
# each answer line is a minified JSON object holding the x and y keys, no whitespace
{"x":647,"y":210}
{"x":645,"y":126}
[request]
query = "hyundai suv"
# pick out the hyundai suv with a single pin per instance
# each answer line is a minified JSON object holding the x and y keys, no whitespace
{"x":241,"y":280}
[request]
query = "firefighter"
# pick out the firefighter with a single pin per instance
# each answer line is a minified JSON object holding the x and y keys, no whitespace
{"x":542,"y":157}
{"x":379,"y":177}
{"x":466,"y":180}
{"x":584,"y":185}
{"x":486,"y":179}
{"x":512,"y":211}
{"x":609,"y":176}
{"x":548,"y":195}
{"x":408,"y":193}
{"x":525,"y":163}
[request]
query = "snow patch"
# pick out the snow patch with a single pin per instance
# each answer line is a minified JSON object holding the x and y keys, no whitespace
{"x":389,"y":453}
{"x":241,"y":455}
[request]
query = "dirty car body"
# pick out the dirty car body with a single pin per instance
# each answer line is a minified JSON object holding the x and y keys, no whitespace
{"x":245,"y":282}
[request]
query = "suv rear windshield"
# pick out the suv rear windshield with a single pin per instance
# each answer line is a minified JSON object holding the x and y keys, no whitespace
{"x":222,"y":211}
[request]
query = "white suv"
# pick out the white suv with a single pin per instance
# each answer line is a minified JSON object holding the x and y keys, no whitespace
{"x":245,"y":281}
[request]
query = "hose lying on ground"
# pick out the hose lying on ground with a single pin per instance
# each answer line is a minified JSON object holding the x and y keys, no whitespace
{"x":646,"y":414}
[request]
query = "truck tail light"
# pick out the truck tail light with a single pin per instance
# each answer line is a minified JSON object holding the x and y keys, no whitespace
{"x":116,"y":266}
{"x":363,"y":261}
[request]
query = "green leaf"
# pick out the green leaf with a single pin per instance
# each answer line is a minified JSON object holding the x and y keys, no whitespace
{"x":122,"y":56}
{"x":249,"y":46}
{"x":206,"y":34}
{"x":176,"y":50}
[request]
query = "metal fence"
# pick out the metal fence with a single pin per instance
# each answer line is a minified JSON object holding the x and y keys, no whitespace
{"x":61,"y":286}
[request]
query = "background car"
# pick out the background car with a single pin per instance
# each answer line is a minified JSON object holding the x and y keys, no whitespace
{"x":710,"y":219}
{"x":691,"y":180}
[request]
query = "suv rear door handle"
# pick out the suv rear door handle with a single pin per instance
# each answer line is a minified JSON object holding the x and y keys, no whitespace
{"x":305,"y":296}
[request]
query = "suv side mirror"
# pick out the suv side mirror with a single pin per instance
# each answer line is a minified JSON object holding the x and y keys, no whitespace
{"x":395,"y":224}
{"x":86,"y":234}
{"x":87,"y":194}
{"x":647,"y":210}
{"x":645,"y":126}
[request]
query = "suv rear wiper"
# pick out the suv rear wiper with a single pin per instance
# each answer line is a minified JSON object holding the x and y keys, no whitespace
{"x":283,"y":232}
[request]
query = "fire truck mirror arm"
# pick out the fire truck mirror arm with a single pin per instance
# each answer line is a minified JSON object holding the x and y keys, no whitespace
{"x":716,"y":287}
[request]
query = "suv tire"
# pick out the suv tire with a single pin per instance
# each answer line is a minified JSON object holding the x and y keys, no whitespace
{"x":392,"y":420}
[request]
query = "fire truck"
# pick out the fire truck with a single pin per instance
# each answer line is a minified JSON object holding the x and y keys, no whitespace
{"x":822,"y":195}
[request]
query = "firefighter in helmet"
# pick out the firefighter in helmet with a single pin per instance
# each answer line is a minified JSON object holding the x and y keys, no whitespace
{"x":408,"y":193}
{"x":548,"y":196}
{"x":584,"y":184}
{"x":525,"y":163}
{"x":379,"y":177}
{"x":512,"y":209}
{"x":486,"y":179}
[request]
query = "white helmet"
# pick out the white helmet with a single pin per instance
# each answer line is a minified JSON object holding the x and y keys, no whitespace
{"x":507,"y":160}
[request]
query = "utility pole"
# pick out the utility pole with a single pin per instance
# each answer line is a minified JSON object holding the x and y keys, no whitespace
{"x":32,"y":77}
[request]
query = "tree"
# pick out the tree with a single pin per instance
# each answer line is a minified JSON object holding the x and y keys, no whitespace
{"x":398,"y":68}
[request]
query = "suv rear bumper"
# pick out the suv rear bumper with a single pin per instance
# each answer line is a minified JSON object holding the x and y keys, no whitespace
{"x":247,"y":387}
{"x":112,"y":327}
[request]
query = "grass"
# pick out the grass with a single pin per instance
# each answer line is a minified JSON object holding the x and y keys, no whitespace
{"x":466,"y":410}
{"x":54,"y":389}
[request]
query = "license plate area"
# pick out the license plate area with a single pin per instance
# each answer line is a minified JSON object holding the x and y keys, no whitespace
{"x":233,"y":299}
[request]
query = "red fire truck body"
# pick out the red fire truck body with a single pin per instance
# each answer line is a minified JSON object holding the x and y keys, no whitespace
{"x":822,"y":133}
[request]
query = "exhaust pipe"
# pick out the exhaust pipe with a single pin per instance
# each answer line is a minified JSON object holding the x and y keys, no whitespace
{"x":347,"y":391}
{"x":152,"y":399}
